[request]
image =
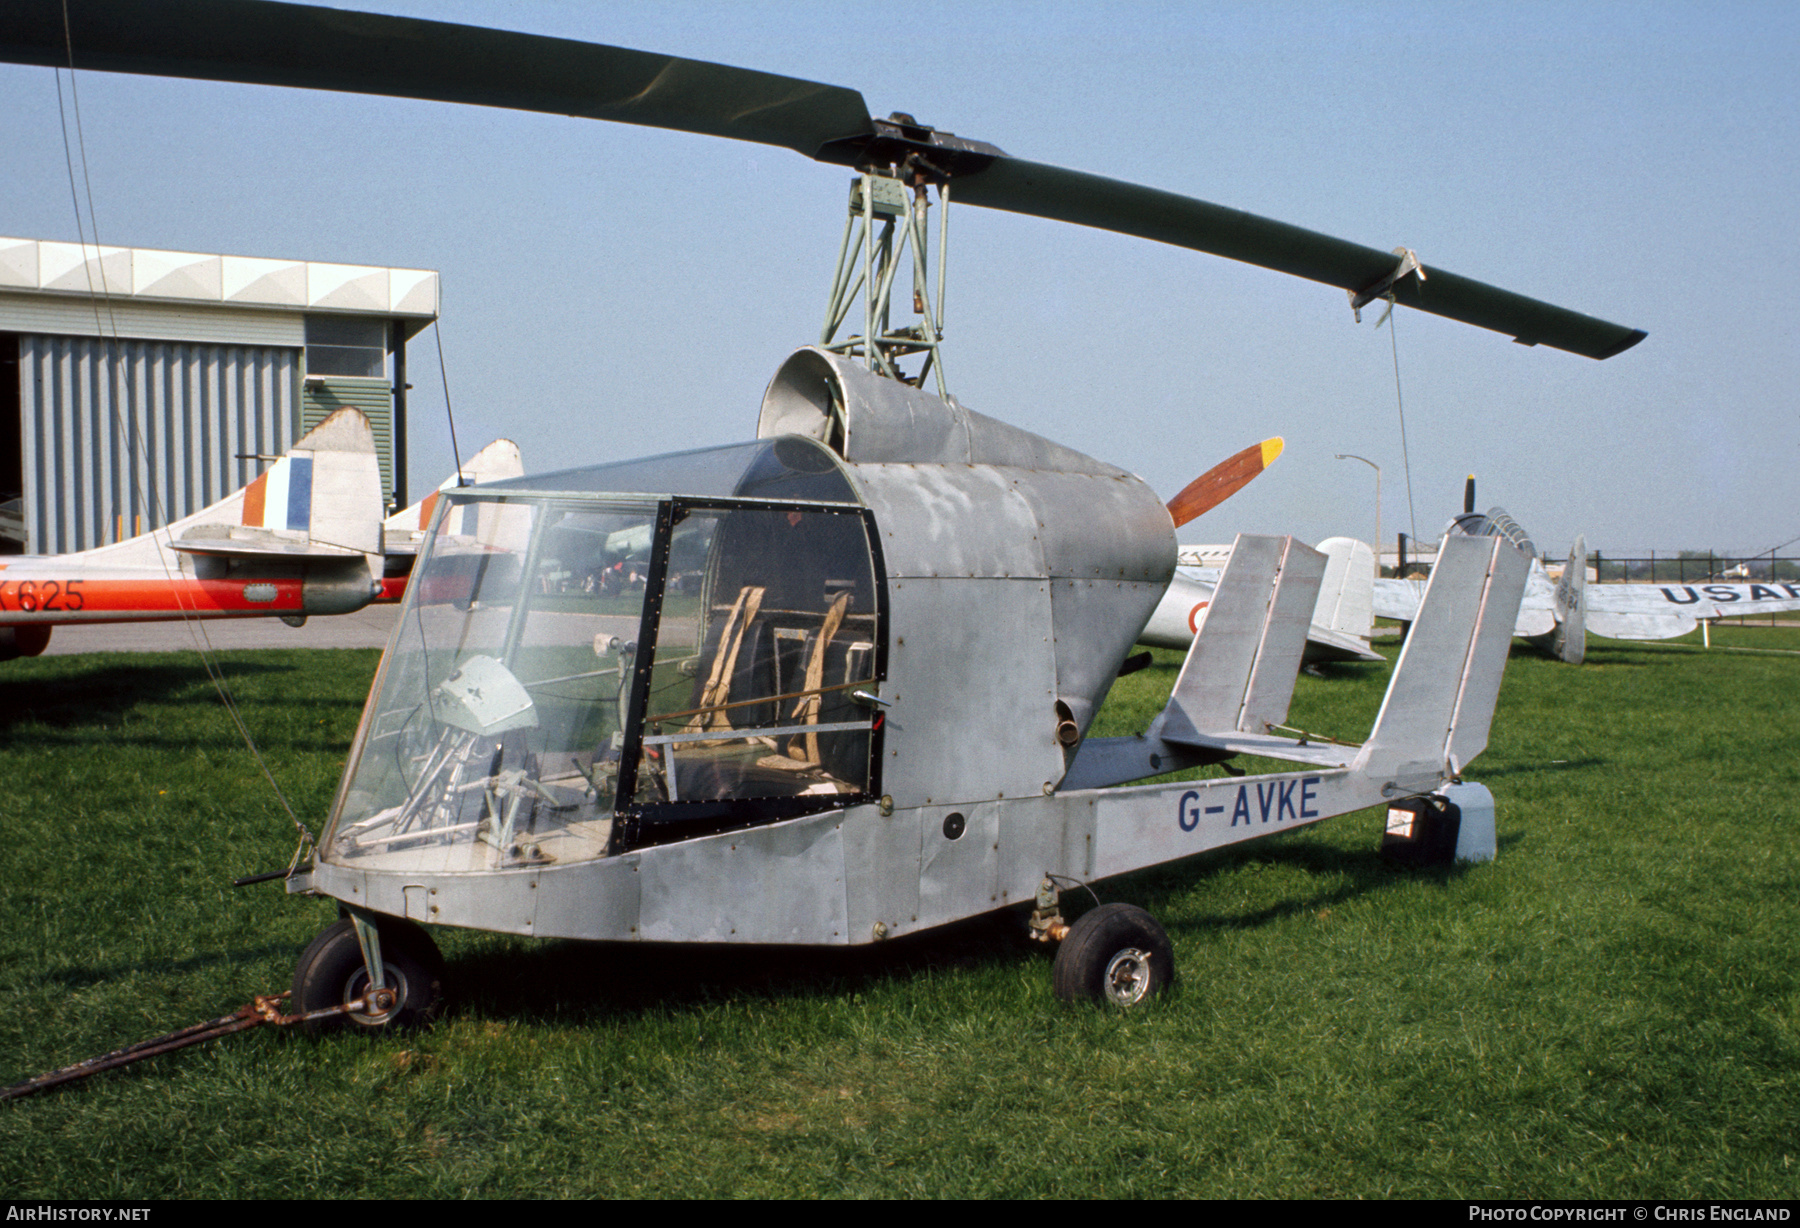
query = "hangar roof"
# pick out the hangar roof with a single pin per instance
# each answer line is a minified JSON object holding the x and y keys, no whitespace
{"x":46,"y":286}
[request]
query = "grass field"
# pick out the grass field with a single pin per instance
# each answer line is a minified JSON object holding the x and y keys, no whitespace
{"x":1610,"y":1009}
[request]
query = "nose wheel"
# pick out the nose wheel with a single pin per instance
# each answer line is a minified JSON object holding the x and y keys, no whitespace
{"x":331,"y":972}
{"x":1115,"y":954}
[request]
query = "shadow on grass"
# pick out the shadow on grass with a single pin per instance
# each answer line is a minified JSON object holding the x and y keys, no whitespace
{"x":1335,"y":877}
{"x":568,"y":982}
{"x":88,"y":975}
{"x":525,"y":981}
{"x":1582,"y":763}
{"x":104,"y":688}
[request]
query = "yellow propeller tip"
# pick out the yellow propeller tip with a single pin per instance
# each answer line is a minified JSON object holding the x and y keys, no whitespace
{"x":1271,"y":448}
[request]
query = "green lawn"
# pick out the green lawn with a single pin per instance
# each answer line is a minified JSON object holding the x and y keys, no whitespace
{"x":1610,"y":1009}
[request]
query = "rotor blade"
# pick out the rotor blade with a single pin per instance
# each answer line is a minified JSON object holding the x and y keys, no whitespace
{"x":1032,"y":188}
{"x":262,"y":43}
{"x":1222,"y":481}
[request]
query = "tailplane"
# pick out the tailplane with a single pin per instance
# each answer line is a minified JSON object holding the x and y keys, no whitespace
{"x":304,"y":538}
{"x":1227,"y":701}
{"x":322,"y":499}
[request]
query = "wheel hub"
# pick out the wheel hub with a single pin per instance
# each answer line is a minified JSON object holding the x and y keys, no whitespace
{"x":1128,"y":976}
{"x":386,"y":1000}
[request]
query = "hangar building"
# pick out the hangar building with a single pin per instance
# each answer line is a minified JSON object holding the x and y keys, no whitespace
{"x":138,"y":386}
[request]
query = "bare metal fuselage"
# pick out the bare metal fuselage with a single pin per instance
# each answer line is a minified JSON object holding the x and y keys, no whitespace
{"x":1008,"y":580}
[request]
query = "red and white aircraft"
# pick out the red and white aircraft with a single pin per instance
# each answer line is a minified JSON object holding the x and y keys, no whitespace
{"x":302,"y":539}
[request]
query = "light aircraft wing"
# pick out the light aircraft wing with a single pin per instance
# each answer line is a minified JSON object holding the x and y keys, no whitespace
{"x":1616,"y":611}
{"x":1660,"y":611}
{"x":258,"y":42}
{"x":1399,"y":600}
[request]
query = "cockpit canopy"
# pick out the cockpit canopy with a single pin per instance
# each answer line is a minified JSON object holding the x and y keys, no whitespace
{"x":598,"y":659}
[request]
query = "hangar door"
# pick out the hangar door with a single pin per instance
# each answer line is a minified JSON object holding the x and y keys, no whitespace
{"x":120,"y":437}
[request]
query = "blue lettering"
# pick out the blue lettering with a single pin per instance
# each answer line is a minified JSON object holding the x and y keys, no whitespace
{"x":1721,"y":592}
{"x":1242,"y":807}
{"x":1307,"y":810}
{"x":1186,"y":814}
{"x":1762,"y":592}
{"x":1265,"y":800}
{"x":1692,"y":596}
{"x":1287,"y":800}
{"x":1792,"y":590}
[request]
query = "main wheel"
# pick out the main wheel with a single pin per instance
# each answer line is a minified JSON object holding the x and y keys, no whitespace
{"x":331,"y":973}
{"x":1115,"y":954}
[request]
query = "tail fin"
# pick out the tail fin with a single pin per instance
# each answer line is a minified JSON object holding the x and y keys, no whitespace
{"x":404,"y":532}
{"x":1347,"y":593}
{"x":496,"y":462}
{"x":327,"y":487}
{"x":1239,"y":674}
{"x":323,"y":499}
{"x":1440,"y":701}
{"x":1569,"y":640}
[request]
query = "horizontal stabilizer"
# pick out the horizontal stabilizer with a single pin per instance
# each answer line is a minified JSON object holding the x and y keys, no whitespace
{"x":228,"y":542}
{"x":1440,"y":702}
{"x":323,"y":499}
{"x":1268,"y":745}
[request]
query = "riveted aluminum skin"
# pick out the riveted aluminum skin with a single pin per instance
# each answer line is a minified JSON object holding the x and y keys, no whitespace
{"x":963,"y":500}
{"x":1016,"y":576}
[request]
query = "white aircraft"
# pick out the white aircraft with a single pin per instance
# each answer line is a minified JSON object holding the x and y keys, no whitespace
{"x":302,"y":539}
{"x":1558,"y":616}
{"x":1341,"y":621}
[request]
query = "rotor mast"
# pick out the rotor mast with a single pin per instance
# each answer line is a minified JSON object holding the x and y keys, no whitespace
{"x":887,"y":225}
{"x":887,"y":221}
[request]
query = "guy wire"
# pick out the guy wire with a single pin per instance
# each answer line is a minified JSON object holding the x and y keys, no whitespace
{"x":1412,"y":519}
{"x":437,"y":331}
{"x":149,"y":501}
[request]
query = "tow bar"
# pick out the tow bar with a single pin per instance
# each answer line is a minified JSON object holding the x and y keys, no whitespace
{"x":263,"y":1009}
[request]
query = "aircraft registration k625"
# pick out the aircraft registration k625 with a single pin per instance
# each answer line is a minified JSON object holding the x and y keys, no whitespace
{"x":842,"y":691}
{"x":302,"y":539}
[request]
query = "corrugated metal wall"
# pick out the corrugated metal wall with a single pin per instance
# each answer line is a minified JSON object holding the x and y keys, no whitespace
{"x":326,"y":394}
{"x":144,"y":428}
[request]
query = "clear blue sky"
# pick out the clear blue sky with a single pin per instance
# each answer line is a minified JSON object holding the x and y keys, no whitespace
{"x":612,"y":291}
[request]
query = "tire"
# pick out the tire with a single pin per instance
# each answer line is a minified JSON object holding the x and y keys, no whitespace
{"x":1114,"y":955}
{"x":331,"y":973}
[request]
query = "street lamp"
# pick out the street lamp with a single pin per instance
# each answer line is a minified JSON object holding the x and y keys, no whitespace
{"x":1377,"y":468}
